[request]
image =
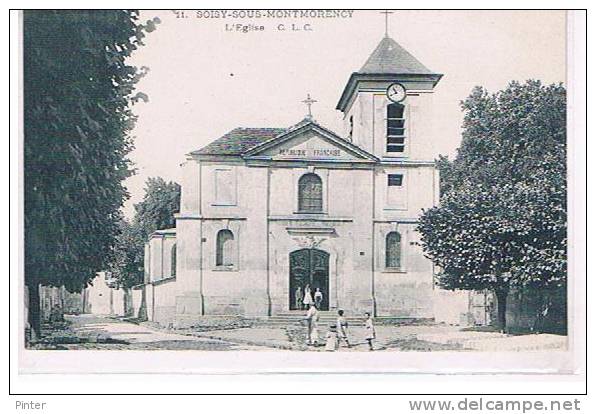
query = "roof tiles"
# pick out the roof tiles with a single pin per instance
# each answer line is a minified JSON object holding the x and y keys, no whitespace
{"x":390,"y":57}
{"x":239,"y":140}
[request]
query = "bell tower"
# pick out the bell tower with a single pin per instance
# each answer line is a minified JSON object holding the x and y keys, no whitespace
{"x":387,"y":104}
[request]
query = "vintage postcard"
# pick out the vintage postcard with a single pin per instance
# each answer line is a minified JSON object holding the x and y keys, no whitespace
{"x":323,"y":190}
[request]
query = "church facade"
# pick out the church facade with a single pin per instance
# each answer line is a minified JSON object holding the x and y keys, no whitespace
{"x":267,"y":211}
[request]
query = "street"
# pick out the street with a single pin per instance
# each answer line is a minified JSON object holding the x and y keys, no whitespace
{"x":94,"y":332}
{"x":102,"y":332}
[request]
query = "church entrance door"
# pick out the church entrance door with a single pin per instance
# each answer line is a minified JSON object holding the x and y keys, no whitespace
{"x":309,"y":267}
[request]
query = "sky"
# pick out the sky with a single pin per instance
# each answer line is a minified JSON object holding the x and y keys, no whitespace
{"x":205,"y":80}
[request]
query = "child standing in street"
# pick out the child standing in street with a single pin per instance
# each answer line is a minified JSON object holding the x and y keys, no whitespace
{"x":331,"y":343}
{"x":370,"y":331}
{"x":342,"y":328}
{"x":312,"y":318}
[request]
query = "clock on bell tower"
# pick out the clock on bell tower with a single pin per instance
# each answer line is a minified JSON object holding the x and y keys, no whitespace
{"x":387,"y":104}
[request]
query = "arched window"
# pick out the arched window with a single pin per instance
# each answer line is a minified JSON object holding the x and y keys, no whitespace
{"x":310,"y":194}
{"x":393,"y":250}
{"x":224,"y":255}
{"x":396,"y":128}
{"x":173,"y":261}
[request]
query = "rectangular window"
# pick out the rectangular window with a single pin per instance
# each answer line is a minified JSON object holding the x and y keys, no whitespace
{"x":396,"y":192}
{"x":396,"y":128}
{"x":225,"y":186}
{"x":395,"y":180}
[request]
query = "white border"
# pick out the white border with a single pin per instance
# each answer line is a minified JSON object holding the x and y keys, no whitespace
{"x":189,"y":361}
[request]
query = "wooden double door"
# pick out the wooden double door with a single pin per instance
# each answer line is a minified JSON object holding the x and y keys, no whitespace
{"x":309,"y":267}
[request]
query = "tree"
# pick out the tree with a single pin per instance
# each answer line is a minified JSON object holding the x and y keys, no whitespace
{"x":126,"y":264}
{"x":156,"y":210}
{"x":502,"y":219}
{"x":78,"y":91}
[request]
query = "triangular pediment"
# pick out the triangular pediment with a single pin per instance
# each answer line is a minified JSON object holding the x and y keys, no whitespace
{"x":312,"y":142}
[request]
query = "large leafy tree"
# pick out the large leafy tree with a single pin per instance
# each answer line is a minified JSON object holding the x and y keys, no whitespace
{"x":126,"y":264}
{"x":154,"y":212}
{"x":78,"y":90}
{"x":502,"y":218}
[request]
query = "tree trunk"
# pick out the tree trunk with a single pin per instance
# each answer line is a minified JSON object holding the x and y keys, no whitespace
{"x":502,"y":308}
{"x":34,"y":313}
{"x":143,"y":307}
{"x":84,"y":300}
{"x":111,"y":301}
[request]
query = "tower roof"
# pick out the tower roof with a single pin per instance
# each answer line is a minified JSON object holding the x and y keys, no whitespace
{"x":389,"y":62}
{"x":390,"y":57}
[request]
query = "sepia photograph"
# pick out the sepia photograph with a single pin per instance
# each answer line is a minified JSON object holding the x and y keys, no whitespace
{"x":332,"y":184}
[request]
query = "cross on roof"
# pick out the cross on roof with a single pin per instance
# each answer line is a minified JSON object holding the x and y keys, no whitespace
{"x":386,"y":13}
{"x":309,"y":101}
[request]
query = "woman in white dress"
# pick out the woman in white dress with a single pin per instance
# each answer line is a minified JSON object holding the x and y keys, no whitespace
{"x":307,"y":297}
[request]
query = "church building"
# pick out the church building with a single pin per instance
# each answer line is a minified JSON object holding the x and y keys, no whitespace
{"x":267,"y":211}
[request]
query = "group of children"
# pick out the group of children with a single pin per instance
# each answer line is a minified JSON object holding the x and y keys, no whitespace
{"x":338,"y":331}
{"x":306,"y":299}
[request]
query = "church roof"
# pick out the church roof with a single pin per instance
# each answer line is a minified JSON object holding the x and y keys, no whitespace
{"x":390,"y":57}
{"x":249,"y":141}
{"x":239,"y":140}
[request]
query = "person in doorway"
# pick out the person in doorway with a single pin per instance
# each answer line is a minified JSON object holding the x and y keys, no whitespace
{"x":298,"y":298}
{"x":312,"y":319}
{"x":370,"y":331}
{"x":318,"y":298}
{"x":342,"y":328}
{"x":307,"y":301}
{"x":331,"y":338}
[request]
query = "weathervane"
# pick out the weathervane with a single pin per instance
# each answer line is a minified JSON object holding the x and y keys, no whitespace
{"x":309,"y":101}
{"x":386,"y":13}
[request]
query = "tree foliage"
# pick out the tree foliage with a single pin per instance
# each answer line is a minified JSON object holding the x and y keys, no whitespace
{"x":502,"y":217}
{"x":127,"y":258}
{"x":78,"y":90}
{"x":156,"y":210}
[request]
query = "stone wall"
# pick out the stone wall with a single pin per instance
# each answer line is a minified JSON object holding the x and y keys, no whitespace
{"x":161,"y":301}
{"x":103,"y":299}
{"x":137,"y":301}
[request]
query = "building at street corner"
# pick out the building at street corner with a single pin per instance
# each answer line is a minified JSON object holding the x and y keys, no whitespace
{"x":266,"y":211}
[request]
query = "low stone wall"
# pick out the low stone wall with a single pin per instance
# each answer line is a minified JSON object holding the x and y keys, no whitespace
{"x":408,"y":295}
{"x":161,"y":301}
{"x":137,"y":300}
{"x":119,"y":302}
{"x":452,"y":307}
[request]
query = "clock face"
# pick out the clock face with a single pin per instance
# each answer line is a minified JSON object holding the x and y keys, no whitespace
{"x":396,"y":92}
